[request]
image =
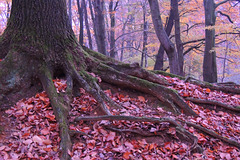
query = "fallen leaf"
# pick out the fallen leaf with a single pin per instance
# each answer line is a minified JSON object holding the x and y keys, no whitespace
{"x":141,"y":98}
{"x":37,"y":139}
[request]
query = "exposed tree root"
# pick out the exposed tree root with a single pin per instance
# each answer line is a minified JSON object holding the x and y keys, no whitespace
{"x":60,"y":112}
{"x":213,"y":134}
{"x":164,"y":94}
{"x":138,"y":132}
{"x":179,"y":129}
{"x":212,"y":102}
{"x":223,"y":88}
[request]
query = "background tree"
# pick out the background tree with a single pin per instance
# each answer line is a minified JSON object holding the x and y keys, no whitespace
{"x":163,"y":38}
{"x":99,"y":23}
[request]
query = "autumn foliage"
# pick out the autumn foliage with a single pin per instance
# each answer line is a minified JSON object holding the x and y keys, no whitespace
{"x":36,"y":132}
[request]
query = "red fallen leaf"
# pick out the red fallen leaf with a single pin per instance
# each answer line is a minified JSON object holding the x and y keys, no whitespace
{"x":129,"y":145}
{"x":37,"y":139}
{"x":175,"y":156}
{"x":111,"y":136}
{"x":151,"y":146}
{"x":225,"y":156}
{"x":0,"y":60}
{"x":208,"y":90}
{"x":126,"y":155}
{"x":47,"y":141}
{"x":2,"y":148}
{"x":172,"y":130}
{"x":48,"y":149}
{"x":50,"y":116}
{"x":25,"y":135}
{"x":28,"y":141}
{"x":141,"y":98}
{"x":45,"y":131}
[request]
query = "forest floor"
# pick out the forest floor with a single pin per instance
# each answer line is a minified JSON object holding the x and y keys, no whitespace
{"x":29,"y":129}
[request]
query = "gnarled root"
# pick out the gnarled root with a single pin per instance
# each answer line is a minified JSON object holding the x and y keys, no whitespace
{"x":179,"y":129}
{"x":60,"y":111}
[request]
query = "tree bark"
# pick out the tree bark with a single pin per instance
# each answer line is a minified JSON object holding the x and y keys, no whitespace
{"x":179,"y":45}
{"x":209,"y":61}
{"x":80,"y":14}
{"x":145,"y":37}
{"x":163,"y":37}
{"x":99,"y":23}
{"x":70,"y":11}
{"x":87,"y":24}
{"x":112,"y":10}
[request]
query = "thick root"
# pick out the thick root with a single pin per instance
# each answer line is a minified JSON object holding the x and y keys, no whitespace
{"x":93,"y":91}
{"x":213,"y":134}
{"x":60,"y":111}
{"x":212,"y":102}
{"x":179,"y":129}
{"x":166,"y":95}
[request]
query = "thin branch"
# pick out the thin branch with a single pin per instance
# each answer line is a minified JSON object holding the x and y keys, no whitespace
{"x":228,"y":17}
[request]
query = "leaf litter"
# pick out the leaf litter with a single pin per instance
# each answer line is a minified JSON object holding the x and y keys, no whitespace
{"x":35,"y":133}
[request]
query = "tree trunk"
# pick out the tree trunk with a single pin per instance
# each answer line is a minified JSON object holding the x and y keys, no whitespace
{"x":159,"y":58}
{"x":209,"y":61}
{"x":87,"y":24}
{"x":100,"y":26}
{"x":163,"y":37}
{"x":112,"y":11}
{"x":80,"y":13}
{"x":145,"y":37}
{"x":179,"y":45}
{"x":93,"y":20}
{"x":70,"y":11}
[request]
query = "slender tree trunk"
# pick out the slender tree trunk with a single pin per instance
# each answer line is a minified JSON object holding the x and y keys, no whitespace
{"x":159,"y":58}
{"x":112,"y":11}
{"x":209,"y":61}
{"x":93,"y":20}
{"x":145,"y":37}
{"x":87,"y":24}
{"x":163,"y":37}
{"x":224,"y":60}
{"x":70,"y":11}
{"x":179,"y":45}
{"x":100,"y":26}
{"x":80,"y":13}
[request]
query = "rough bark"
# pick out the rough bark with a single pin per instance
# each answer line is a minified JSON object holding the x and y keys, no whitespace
{"x":99,"y":23}
{"x":163,"y":38}
{"x":145,"y":37}
{"x":159,"y":58}
{"x":80,"y":14}
{"x":112,"y":10}
{"x":209,"y":61}
{"x":87,"y":24}
{"x":179,"y":45}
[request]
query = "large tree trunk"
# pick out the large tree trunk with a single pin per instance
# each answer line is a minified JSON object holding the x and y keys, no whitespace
{"x":163,"y":37}
{"x":209,"y":61}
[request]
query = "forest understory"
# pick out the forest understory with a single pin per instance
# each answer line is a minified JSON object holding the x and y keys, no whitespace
{"x":139,"y":127}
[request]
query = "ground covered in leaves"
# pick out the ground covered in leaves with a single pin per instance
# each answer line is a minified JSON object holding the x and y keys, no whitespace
{"x":34,"y":134}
